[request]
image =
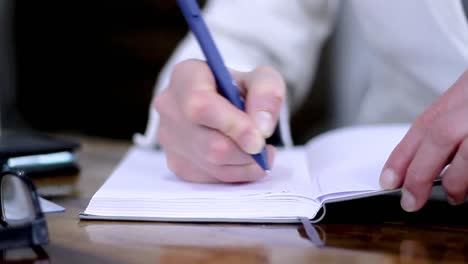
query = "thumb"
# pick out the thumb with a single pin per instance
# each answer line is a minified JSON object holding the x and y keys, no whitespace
{"x":264,"y":90}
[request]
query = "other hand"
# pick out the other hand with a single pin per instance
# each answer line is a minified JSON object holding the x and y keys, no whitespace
{"x":438,"y":137}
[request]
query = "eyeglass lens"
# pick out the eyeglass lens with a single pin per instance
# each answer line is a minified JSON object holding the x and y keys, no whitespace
{"x":16,"y":201}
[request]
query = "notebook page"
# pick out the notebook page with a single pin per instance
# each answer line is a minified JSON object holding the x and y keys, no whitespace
{"x":142,"y":188}
{"x":143,"y":174}
{"x":350,"y":160}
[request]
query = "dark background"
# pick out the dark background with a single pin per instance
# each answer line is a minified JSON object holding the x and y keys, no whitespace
{"x":90,"y":66}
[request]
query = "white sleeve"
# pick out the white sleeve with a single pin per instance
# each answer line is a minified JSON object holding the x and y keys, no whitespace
{"x":287,"y":35}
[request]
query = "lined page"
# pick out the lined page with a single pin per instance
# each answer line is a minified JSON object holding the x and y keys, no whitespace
{"x":144,"y":174}
{"x":142,"y":188}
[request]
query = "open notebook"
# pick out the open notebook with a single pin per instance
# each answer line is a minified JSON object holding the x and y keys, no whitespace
{"x":335,"y":166}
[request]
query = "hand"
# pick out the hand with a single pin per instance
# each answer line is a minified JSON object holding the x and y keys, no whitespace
{"x":438,"y":137}
{"x":206,"y":138}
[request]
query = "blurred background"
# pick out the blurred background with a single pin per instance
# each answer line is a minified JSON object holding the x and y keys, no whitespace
{"x":89,"y":67}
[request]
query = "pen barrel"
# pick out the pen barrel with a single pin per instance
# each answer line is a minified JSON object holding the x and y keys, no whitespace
{"x":225,"y":83}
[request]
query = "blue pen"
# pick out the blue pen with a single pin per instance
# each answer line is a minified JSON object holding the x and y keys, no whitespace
{"x":226,"y":85}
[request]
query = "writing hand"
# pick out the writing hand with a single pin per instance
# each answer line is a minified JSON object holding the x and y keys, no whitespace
{"x":206,"y":138}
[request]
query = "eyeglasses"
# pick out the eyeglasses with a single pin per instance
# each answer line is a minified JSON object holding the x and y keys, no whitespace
{"x":22,"y":221}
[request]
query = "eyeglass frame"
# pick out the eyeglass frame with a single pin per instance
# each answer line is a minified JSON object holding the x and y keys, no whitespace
{"x":31,"y":234}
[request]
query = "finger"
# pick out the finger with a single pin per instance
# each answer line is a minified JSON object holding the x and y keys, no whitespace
{"x":203,"y":142}
{"x":186,"y":170}
{"x":215,"y":112}
{"x":164,"y":104}
{"x":192,"y":75}
{"x":201,"y":104}
{"x":441,"y":140}
{"x":394,"y":170}
{"x":455,"y":180}
{"x":172,"y":134}
{"x":217,"y":148}
{"x":239,"y":173}
{"x":265,"y":91}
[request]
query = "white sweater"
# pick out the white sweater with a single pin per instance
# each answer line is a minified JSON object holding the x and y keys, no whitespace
{"x":391,"y":59}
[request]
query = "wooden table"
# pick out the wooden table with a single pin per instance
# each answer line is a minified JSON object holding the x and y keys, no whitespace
{"x":392,"y":237}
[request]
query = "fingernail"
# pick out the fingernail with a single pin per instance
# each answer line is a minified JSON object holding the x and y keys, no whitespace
{"x":451,"y":201}
{"x":253,"y":142}
{"x":264,"y":122}
{"x":388,"y":179}
{"x":408,"y":202}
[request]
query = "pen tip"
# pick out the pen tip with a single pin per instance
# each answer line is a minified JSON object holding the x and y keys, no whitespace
{"x":261,"y":159}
